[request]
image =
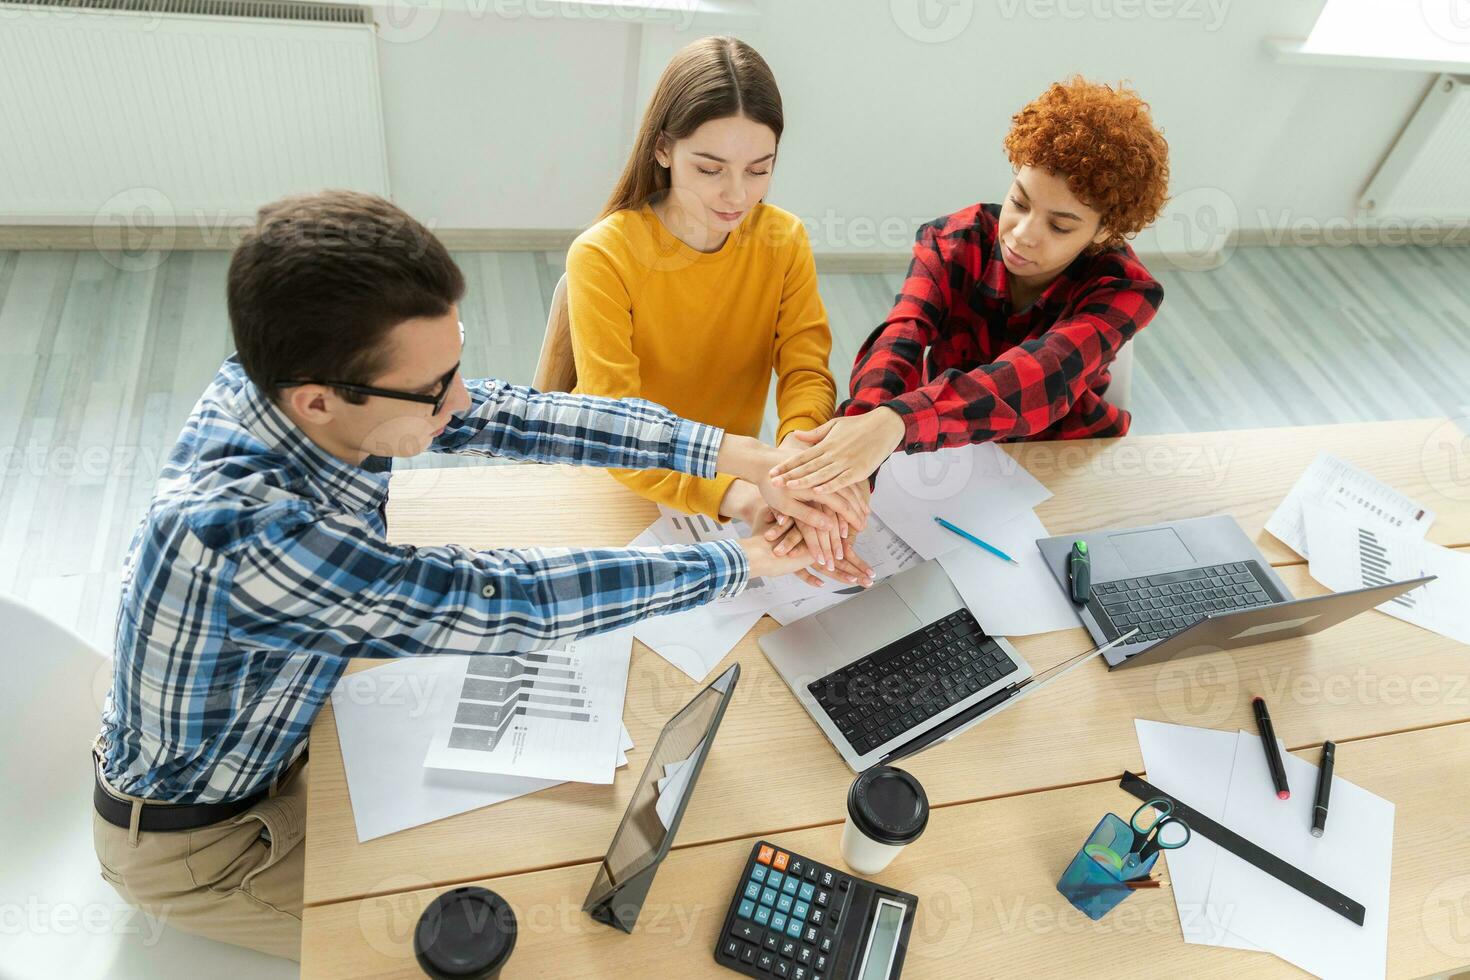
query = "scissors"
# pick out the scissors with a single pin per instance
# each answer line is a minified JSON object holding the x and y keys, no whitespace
{"x":1162,"y":832}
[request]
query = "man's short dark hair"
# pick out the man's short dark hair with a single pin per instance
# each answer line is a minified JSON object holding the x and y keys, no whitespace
{"x":319,"y":281}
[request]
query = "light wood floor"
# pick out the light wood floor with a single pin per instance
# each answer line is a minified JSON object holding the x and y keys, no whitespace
{"x":103,"y":355}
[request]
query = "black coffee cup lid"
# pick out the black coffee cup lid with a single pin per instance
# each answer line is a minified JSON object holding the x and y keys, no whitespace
{"x":465,"y":933}
{"x":888,"y":805}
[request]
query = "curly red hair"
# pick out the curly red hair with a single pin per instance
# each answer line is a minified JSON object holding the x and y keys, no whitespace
{"x":1104,"y":142}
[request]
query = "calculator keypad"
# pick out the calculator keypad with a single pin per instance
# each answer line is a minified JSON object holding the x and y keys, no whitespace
{"x":783,"y":923}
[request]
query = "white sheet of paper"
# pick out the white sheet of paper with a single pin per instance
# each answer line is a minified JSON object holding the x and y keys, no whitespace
{"x":697,"y":639}
{"x":878,"y":544}
{"x":676,"y":527}
{"x":673,"y":786}
{"x":1354,"y":856}
{"x":1341,"y":485}
{"x":1010,"y":600}
{"x":1349,"y":553}
{"x":553,"y":714}
{"x":1194,"y":765}
{"x":973,"y":486}
{"x":386,"y":716}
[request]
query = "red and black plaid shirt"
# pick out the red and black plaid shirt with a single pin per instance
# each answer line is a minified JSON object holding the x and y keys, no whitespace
{"x":994,"y":373}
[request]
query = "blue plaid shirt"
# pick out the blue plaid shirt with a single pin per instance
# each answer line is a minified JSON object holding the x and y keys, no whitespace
{"x":261,"y":567}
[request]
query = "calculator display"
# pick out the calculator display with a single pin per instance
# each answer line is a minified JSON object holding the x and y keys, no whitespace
{"x":882,"y":941}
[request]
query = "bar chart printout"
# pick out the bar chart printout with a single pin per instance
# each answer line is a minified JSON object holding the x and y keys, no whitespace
{"x":1351,"y":553}
{"x":551,"y":714}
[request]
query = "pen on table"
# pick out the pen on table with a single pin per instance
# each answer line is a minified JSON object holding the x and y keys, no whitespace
{"x":1273,"y":754}
{"x":1324,"y":789}
{"x":974,"y":540}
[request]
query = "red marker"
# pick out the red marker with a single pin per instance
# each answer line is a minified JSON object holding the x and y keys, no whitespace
{"x":1273,"y":754}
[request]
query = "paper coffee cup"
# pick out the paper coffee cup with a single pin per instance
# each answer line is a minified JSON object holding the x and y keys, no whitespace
{"x":886,"y":810}
{"x":466,"y":933}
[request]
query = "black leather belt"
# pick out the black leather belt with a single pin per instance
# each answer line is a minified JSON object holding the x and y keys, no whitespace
{"x":162,"y":817}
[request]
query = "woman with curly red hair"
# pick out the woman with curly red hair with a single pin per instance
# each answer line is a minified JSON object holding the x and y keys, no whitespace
{"x":1022,"y":306}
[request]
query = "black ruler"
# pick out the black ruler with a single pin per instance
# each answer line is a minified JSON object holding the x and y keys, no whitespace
{"x":1244,"y":849}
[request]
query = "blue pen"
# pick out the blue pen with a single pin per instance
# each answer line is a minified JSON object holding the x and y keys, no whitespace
{"x":974,"y":540}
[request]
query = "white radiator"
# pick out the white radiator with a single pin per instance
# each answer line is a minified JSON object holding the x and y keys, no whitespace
{"x":197,"y":110}
{"x":1426,"y":174}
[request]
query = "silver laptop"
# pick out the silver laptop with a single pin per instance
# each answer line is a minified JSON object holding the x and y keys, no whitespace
{"x":1195,"y":586}
{"x":900,"y":667}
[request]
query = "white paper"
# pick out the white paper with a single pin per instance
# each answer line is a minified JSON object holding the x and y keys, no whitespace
{"x":1224,"y":900}
{"x":1348,"y":553}
{"x":1339,"y":484}
{"x":972,"y":486}
{"x":1010,"y":600}
{"x":386,"y":716}
{"x":879,"y":545}
{"x":676,"y":527}
{"x":1193,"y":765}
{"x":673,"y":786}
{"x":553,"y":714}
{"x":696,"y":639}
{"x":1354,"y":856}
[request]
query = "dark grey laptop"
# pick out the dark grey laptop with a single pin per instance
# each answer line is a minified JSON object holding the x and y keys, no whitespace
{"x":1195,"y":586}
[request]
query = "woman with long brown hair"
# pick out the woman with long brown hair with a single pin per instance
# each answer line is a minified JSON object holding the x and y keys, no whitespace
{"x":692,"y":290}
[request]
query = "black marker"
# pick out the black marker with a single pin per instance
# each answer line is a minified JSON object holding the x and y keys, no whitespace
{"x":1079,"y":572}
{"x":1324,"y":789}
{"x":1273,"y":754}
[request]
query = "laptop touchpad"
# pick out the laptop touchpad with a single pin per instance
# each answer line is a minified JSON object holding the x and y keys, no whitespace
{"x":864,"y":623}
{"x":1144,"y":551}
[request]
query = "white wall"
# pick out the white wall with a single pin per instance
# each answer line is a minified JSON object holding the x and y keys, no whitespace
{"x":501,"y":119}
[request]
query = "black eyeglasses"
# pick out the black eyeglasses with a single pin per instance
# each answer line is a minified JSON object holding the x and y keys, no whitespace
{"x":437,"y":400}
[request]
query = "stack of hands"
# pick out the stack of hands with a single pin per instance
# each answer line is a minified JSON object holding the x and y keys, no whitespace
{"x":807,"y":499}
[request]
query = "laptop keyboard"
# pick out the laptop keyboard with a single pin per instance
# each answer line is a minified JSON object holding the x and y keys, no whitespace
{"x":1162,"y":605}
{"x":891,"y":690}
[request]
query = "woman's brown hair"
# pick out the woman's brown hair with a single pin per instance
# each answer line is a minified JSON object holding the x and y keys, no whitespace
{"x":712,"y":78}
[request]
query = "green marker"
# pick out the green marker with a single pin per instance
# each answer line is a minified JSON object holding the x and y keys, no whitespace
{"x":1079,"y":573}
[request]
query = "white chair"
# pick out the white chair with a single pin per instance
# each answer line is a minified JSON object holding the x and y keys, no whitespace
{"x":1121,"y":388}
{"x":72,"y":923}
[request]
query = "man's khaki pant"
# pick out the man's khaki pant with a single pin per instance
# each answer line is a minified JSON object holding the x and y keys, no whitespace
{"x":238,"y":881}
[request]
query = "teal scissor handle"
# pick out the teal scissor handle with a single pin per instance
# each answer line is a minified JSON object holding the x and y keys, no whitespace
{"x":1150,"y":838}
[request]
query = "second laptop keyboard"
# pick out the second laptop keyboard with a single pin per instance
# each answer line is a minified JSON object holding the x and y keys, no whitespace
{"x":891,"y":690}
{"x":1162,"y":605}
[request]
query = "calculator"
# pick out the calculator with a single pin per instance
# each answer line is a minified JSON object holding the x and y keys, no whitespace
{"x":797,"y":919}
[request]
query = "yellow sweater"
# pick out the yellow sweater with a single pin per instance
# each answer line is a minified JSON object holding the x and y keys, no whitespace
{"x":700,"y":333}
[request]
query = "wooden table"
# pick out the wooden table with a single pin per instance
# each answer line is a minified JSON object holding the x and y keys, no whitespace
{"x":1356,"y":684}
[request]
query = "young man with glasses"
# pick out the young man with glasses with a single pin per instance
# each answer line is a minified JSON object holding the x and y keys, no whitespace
{"x":262,"y":565}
